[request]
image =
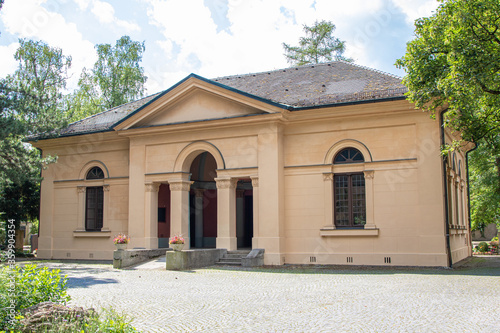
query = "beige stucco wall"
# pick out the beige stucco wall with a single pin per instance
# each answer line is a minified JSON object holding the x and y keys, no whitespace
{"x":407,"y":191}
{"x":288,"y":156}
{"x":62,"y":209}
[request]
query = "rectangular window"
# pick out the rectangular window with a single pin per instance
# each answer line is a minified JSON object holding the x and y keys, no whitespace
{"x":94,"y":208}
{"x":162,"y":214}
{"x":350,"y":200}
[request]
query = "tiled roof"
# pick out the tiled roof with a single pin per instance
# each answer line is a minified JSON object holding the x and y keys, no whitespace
{"x":300,"y":87}
{"x":104,"y":121}
{"x":319,"y":84}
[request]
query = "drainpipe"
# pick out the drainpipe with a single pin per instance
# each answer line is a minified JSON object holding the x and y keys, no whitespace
{"x":445,"y":184}
{"x":40,"y":189}
{"x":476,"y":145}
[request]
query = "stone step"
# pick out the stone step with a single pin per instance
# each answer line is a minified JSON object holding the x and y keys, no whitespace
{"x":239,"y":252}
{"x":233,"y":257}
{"x":231,"y":263}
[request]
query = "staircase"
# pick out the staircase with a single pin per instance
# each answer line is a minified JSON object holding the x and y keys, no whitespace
{"x":233,"y":258}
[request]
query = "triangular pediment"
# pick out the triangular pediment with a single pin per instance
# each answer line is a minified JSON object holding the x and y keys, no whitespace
{"x":198,"y":105}
{"x":193,"y":100}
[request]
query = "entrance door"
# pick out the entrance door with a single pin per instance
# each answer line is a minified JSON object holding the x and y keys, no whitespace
{"x":244,"y":214}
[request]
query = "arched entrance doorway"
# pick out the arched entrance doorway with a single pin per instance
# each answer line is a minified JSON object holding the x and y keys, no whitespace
{"x":203,"y":202}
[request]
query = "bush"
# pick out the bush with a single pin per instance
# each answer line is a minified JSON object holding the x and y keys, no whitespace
{"x":63,"y":319}
{"x":33,"y":285}
{"x":483,"y":247}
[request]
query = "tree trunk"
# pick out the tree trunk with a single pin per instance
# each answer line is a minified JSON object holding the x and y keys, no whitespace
{"x":19,"y":239}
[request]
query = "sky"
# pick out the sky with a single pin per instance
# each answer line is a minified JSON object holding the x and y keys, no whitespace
{"x":211,"y":38}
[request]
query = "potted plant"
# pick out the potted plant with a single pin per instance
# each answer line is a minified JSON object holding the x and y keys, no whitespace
{"x":176,"y":243}
{"x":121,"y":241}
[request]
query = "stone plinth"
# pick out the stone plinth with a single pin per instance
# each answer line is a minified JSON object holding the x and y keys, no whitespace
{"x":189,"y":259}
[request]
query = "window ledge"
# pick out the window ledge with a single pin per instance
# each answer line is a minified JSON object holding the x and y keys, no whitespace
{"x":348,"y":232}
{"x":92,"y":234}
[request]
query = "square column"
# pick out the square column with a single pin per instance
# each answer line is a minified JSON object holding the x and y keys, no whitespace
{"x":198,"y":214}
{"x":151,"y":216}
{"x":179,"y":209}
{"x":82,"y":191}
{"x":329,"y":201}
{"x":370,"y":197}
{"x":226,"y":214}
{"x":255,"y":189}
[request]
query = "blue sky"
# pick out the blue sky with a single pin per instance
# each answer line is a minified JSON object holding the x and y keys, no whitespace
{"x":211,"y":38}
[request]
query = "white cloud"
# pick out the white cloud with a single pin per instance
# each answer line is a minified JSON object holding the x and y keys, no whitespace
{"x":253,"y":44}
{"x":9,"y":64}
{"x":416,"y":8}
{"x":28,"y":19}
{"x":82,"y":4}
{"x":105,"y":13}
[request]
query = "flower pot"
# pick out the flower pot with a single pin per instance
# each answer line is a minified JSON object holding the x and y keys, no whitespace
{"x":177,"y":247}
{"x":121,"y":246}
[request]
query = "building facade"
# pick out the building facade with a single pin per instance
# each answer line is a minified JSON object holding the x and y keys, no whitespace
{"x":323,"y":164}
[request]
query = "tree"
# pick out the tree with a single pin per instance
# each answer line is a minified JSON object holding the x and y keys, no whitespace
{"x":116,"y":78}
{"x":485,"y":198}
{"x":454,"y":64}
{"x":29,"y":104}
{"x":319,"y":45}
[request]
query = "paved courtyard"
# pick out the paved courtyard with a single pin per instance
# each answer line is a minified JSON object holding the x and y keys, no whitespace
{"x":465,"y":299}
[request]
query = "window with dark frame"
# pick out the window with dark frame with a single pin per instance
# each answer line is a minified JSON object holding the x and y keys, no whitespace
{"x":94,"y":202}
{"x":162,"y":214}
{"x":349,"y":192}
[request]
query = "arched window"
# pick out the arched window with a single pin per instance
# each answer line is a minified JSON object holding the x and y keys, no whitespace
{"x":349,"y":192}
{"x":94,"y":202}
{"x":349,"y":155}
{"x":95,"y":173}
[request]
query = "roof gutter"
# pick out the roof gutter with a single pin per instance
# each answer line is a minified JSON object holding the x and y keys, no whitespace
{"x":445,"y":185}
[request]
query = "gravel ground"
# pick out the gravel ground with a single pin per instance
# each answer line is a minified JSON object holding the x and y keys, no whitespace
{"x":295,"y":299}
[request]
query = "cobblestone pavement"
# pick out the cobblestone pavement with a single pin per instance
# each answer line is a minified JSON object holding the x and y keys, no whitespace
{"x":334,"y":299}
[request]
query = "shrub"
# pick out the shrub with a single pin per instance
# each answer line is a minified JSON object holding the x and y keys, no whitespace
{"x":62,"y":319}
{"x":483,"y":247}
{"x":33,"y":285}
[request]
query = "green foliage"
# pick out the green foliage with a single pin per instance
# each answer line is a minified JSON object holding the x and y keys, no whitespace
{"x":34,"y":226}
{"x":110,"y":321}
{"x":39,"y":284}
{"x":36,"y":88}
{"x":454,"y":62}
{"x":33,"y":285}
{"x":116,"y":79}
{"x":483,"y":247}
{"x":107,"y":321}
{"x":484,"y":189}
{"x":319,"y":45}
{"x":30,"y":102}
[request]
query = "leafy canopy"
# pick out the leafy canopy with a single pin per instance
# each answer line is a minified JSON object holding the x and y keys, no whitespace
{"x":454,"y":62}
{"x":485,"y":197}
{"x":30,"y":103}
{"x":319,"y":45}
{"x":116,"y":78}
